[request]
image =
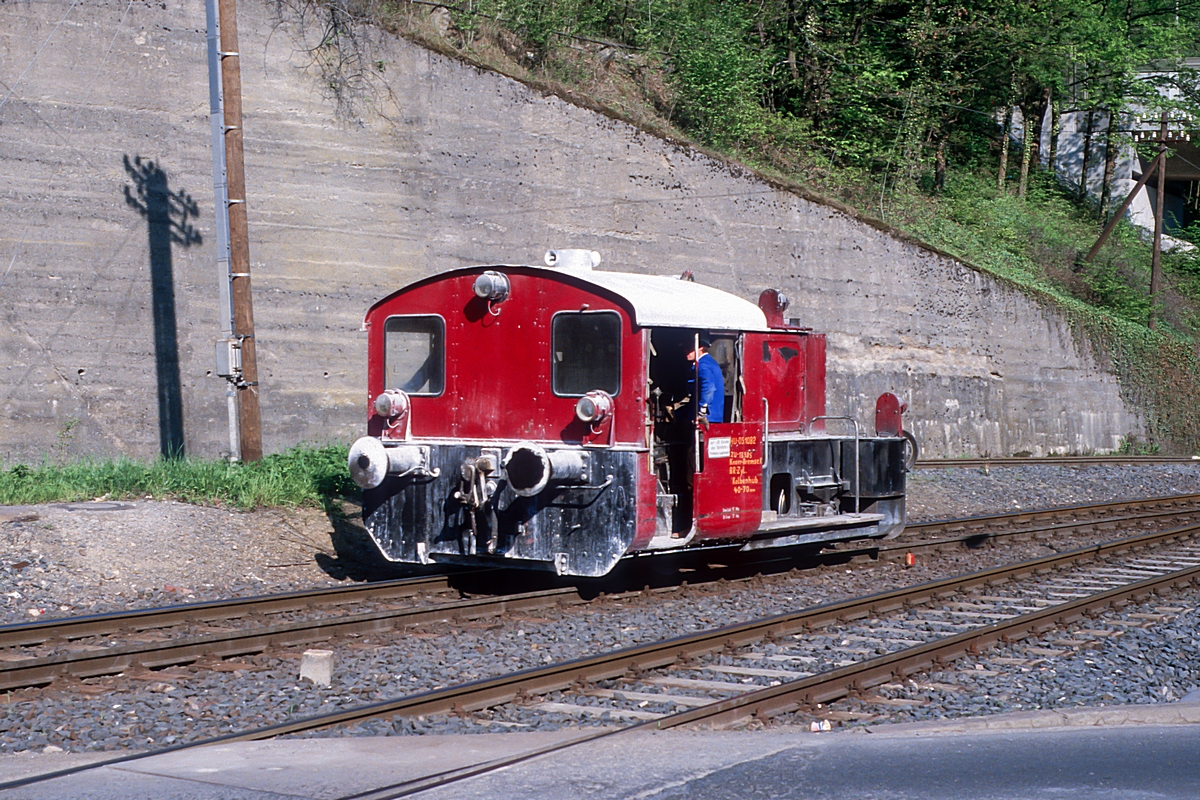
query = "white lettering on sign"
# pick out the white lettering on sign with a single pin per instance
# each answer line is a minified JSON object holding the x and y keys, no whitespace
{"x":718,"y":447}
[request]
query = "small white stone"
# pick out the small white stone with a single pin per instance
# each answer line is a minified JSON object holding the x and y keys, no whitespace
{"x":51,"y":749}
{"x":317,"y":666}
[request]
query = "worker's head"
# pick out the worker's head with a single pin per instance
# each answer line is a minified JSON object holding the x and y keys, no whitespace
{"x":694,"y":354}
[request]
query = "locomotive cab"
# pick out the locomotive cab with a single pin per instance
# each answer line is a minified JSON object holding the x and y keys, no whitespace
{"x":549,"y":417}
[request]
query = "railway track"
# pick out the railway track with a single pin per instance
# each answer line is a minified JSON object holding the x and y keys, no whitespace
{"x":769,"y":667}
{"x":34,"y":654}
{"x":1039,"y":523}
{"x":1053,"y":461}
{"x":915,"y":628}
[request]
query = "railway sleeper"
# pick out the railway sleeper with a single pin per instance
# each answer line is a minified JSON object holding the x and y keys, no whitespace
{"x":883,"y":670}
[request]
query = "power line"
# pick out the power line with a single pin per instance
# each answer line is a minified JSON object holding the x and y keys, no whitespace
{"x":29,"y":66}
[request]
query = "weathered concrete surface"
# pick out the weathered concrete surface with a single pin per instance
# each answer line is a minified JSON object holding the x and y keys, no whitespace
{"x":1147,"y":752}
{"x":462,"y":166}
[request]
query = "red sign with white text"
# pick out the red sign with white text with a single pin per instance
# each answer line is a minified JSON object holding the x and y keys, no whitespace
{"x":729,"y":490}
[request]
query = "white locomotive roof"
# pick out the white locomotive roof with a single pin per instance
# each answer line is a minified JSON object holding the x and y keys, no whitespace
{"x":662,"y":302}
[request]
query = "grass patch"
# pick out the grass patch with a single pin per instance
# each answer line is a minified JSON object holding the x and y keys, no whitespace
{"x":1037,"y":244}
{"x":300,"y":476}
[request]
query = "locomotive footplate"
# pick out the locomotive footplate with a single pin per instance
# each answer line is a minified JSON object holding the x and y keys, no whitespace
{"x":568,"y":509}
{"x":787,"y":532}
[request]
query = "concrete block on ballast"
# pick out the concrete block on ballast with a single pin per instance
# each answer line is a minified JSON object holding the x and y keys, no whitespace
{"x":317,"y":666}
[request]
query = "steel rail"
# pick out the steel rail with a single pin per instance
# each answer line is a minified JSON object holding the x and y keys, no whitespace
{"x":762,"y":704}
{"x":1052,"y":461}
{"x":983,"y":529}
{"x":24,"y":634}
{"x":835,"y":684}
{"x":112,"y":660}
{"x":980,"y":534}
{"x":494,"y":691}
{"x":37,"y":671}
{"x":488,"y":692}
{"x":985,"y":521}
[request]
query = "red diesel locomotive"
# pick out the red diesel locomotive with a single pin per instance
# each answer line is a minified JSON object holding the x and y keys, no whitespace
{"x":545,"y":417}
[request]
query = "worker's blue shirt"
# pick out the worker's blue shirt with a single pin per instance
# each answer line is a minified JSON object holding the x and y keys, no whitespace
{"x":712,"y":387}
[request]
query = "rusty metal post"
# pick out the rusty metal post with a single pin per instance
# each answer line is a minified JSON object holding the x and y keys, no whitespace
{"x":249,"y":417}
{"x":1155,"y":269}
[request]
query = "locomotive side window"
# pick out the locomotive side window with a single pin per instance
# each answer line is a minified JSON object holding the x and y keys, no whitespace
{"x":414,"y":354}
{"x":585,"y":353}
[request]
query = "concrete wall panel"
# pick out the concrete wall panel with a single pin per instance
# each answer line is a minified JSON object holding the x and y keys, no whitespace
{"x":459,"y":166}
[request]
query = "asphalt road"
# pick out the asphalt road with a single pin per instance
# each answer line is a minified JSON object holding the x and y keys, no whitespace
{"x":1125,"y":762}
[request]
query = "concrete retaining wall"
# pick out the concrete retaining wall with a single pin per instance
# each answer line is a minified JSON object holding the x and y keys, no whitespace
{"x":108,"y":277}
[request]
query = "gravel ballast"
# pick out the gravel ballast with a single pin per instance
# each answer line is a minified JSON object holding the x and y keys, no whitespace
{"x":75,"y":558}
{"x":942,"y":493}
{"x":1152,"y":655}
{"x":155,"y":553}
{"x":79,"y":557}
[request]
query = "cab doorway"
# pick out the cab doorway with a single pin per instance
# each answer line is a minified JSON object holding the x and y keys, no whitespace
{"x":672,"y":406}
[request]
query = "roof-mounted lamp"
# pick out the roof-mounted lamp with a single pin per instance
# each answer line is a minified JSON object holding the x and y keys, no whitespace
{"x":492,"y":287}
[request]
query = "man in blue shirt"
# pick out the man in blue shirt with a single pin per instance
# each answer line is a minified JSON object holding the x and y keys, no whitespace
{"x":712,"y":383}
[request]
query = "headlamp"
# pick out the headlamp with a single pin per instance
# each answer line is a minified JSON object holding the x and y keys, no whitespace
{"x":392,"y":404}
{"x":594,"y":407}
{"x":492,"y":286}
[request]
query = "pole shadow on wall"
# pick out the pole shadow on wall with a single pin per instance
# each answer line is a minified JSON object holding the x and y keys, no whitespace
{"x":167,"y":216}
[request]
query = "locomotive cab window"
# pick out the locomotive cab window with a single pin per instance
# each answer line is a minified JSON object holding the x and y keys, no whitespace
{"x":585,"y":353}
{"x":414,"y":354}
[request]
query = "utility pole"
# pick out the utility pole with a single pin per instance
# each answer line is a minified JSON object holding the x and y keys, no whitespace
{"x":1117,"y":216}
{"x":236,"y":356}
{"x":1155,"y":270}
